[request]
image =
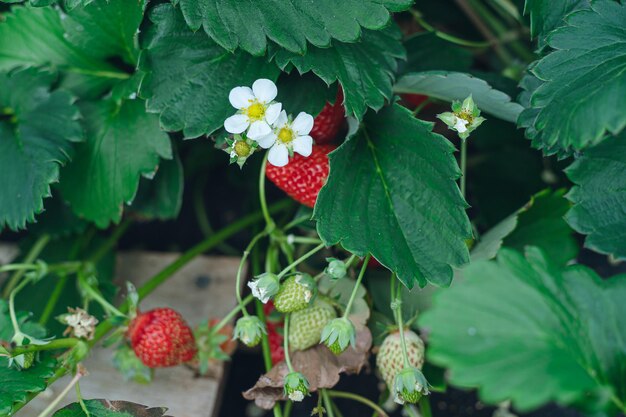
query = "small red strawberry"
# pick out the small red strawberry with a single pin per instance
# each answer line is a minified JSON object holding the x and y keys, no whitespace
{"x":161,"y":338}
{"x":302,"y":178}
{"x":329,"y":122}
{"x":276,"y":345}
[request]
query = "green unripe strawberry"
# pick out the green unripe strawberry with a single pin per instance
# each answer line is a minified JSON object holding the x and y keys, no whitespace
{"x":338,"y":335}
{"x":296,"y":386}
{"x":306,"y":325}
{"x":409,"y":386}
{"x":389,"y":359}
{"x":295,"y":293}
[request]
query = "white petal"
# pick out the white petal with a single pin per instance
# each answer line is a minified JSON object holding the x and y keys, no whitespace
{"x":272,"y":113}
{"x":278,"y":155}
{"x":303,"y":145}
{"x":303,"y":124}
{"x":240,"y":97}
{"x":267,"y":141}
{"x":258,"y":129}
{"x":282,"y":120}
{"x":264,"y":90}
{"x":461,"y":125}
{"x":237,"y":123}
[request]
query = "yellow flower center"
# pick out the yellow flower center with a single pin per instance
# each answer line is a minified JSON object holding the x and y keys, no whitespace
{"x":467,"y":116}
{"x":285,"y":135}
{"x":256,"y":111}
{"x":242,"y":149}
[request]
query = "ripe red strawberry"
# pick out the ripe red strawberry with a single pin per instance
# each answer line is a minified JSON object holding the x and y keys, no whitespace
{"x":302,"y":178}
{"x":329,"y":122}
{"x":161,"y":338}
{"x":274,"y":335}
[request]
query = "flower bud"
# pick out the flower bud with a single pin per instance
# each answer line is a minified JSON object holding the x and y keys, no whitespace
{"x":265,"y":286}
{"x":409,"y":386}
{"x":296,"y":386}
{"x":338,"y":334}
{"x":249,"y":329}
{"x":336,"y":269}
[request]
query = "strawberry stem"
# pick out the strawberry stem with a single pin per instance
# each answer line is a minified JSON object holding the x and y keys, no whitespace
{"x":366,"y":262}
{"x":357,"y":398}
{"x":32,"y":255}
{"x":246,"y":253}
{"x":463,"y":165}
{"x":397,"y":307}
{"x":270,"y":225}
{"x":300,"y":260}
{"x":63,"y":343}
{"x":286,"y":343}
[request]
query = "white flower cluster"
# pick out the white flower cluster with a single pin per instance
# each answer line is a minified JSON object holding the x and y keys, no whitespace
{"x":261,"y":119}
{"x":80,"y":323}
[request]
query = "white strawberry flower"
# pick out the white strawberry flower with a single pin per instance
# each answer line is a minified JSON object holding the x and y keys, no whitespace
{"x":256,"y":109}
{"x":287,"y":137}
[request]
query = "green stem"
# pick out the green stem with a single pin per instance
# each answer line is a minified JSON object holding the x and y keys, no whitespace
{"x":286,"y":343}
{"x":202,"y":218}
{"x":32,"y":255}
{"x":445,"y":36}
{"x":18,"y":267}
{"x":268,"y":219}
{"x":463,"y":165}
{"x":246,"y":253}
{"x":53,"y":405}
{"x":79,"y":396}
{"x":231,"y":315}
{"x":328,"y":403}
{"x":63,"y":278}
{"x":54,"y":297}
{"x":16,"y":326}
{"x":425,"y":407}
{"x":411,"y":411}
{"x":295,"y":222}
{"x":300,"y":260}
{"x":400,"y":324}
{"x":288,"y":407}
{"x":366,"y":262}
{"x":111,"y":241}
{"x":54,"y":344}
{"x":95,"y":295}
{"x":305,"y":240}
{"x":358,"y":398}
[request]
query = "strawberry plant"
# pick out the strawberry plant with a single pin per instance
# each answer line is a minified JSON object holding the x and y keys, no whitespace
{"x":430,"y":191}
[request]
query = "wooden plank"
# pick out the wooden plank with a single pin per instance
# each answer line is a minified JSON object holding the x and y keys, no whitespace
{"x":201,"y":290}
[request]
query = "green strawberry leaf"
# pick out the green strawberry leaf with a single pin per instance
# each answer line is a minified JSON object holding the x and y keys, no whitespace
{"x":106,"y":408}
{"x":189,"y":76}
{"x":539,"y":223}
{"x":161,"y":197}
{"x":123,"y":143}
{"x":37,"y":128}
{"x":364,"y":69}
{"x":391,"y":192}
{"x":130,"y":366}
{"x":290,"y":23}
{"x":18,"y":384}
{"x":599,"y":196}
{"x":582,"y":83}
{"x":547,"y":15}
{"x":519,"y":323}
{"x":81,"y":44}
{"x":452,"y":86}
